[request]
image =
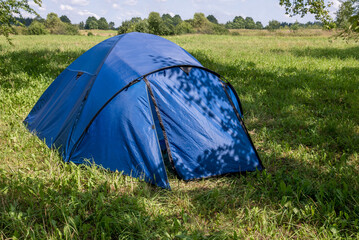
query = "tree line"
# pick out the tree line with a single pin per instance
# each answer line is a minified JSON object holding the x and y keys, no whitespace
{"x":347,"y":19}
{"x":166,"y":24}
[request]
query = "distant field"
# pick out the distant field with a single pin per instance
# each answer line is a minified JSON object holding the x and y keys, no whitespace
{"x":242,"y":32}
{"x":284,"y":32}
{"x":300,"y":97}
{"x":97,"y":32}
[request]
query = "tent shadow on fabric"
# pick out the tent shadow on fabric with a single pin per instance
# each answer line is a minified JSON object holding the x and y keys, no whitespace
{"x":215,"y":157}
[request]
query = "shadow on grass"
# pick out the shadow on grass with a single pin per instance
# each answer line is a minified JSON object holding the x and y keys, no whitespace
{"x":19,"y":67}
{"x":328,"y":52}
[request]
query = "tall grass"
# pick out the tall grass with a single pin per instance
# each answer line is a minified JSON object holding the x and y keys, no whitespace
{"x":300,"y":96}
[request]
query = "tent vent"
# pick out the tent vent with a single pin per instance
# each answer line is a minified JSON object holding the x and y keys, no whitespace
{"x":79,"y":74}
{"x":187,"y":70}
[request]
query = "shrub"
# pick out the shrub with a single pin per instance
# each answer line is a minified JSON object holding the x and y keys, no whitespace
{"x":71,"y":29}
{"x":19,"y":30}
{"x":219,"y":29}
{"x":183,"y":28}
{"x":37,"y":28}
{"x":90,"y":34}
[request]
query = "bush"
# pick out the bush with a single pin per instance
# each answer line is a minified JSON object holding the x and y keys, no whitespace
{"x":183,"y":28}
{"x":219,"y":29}
{"x":141,"y":26}
{"x":19,"y":30}
{"x":37,"y":28}
{"x":126,"y":27}
{"x":71,"y":29}
{"x":90,"y":34}
{"x":56,"y":26}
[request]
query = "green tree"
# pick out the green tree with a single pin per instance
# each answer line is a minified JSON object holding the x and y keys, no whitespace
{"x":155,"y":23}
{"x":212,"y":19}
{"x":167,"y":17}
{"x":65,"y":19}
{"x":273,"y":25}
{"x":102,"y":23}
{"x":142,"y":26}
{"x":54,"y":24}
{"x":136,"y":20}
{"x":345,"y":11}
{"x":91,"y":23}
{"x":249,"y":23}
{"x":202,"y":25}
{"x":81,"y":25}
{"x":259,"y":25}
{"x":320,"y":9}
{"x":169,"y":28}
{"x":111,"y":25}
{"x":125,"y":27}
{"x":239,"y":22}
{"x":199,"y":20}
{"x":302,"y":7}
{"x":176,"y":19}
{"x":294,"y":27}
{"x":9,"y":10}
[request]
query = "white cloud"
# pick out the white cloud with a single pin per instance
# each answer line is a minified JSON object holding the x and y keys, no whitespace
{"x":334,"y":8}
{"x":116,"y":6}
{"x":79,"y":2}
{"x":161,"y":0}
{"x":336,"y":4}
{"x":66,"y":7}
{"x":87,"y":13}
{"x":131,"y":2}
{"x":126,"y":15}
{"x":34,"y":5}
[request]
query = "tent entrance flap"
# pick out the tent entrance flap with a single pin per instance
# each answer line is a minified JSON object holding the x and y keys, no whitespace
{"x":204,"y":135}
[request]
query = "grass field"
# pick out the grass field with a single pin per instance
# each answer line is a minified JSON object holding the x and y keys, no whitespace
{"x":301,"y":101}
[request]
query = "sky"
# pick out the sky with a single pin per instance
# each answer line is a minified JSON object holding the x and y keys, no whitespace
{"x":121,"y":10}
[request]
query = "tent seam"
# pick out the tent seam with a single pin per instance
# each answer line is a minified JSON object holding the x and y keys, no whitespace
{"x":169,"y":152}
{"x":158,"y":142}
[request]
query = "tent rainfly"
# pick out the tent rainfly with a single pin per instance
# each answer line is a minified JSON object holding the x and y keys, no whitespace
{"x":135,"y":101}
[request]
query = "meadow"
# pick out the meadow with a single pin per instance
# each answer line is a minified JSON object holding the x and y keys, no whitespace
{"x":300,"y":96}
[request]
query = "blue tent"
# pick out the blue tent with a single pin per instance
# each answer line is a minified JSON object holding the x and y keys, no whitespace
{"x":136,"y":100}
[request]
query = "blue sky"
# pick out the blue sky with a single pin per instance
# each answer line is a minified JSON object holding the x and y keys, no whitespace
{"x":120,"y":10}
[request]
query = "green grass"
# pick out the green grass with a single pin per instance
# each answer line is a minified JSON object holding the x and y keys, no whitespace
{"x":301,"y":101}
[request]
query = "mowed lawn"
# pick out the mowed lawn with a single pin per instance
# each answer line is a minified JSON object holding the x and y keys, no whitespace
{"x":301,"y":102}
